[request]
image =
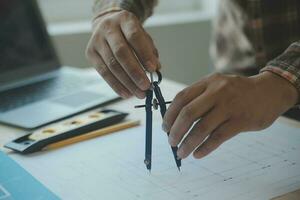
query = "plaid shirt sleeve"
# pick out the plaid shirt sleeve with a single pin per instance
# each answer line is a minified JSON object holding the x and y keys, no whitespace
{"x":141,"y":8}
{"x":253,"y":36}
{"x":287,"y":65}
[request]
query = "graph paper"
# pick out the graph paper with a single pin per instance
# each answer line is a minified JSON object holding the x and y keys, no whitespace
{"x":256,"y":165}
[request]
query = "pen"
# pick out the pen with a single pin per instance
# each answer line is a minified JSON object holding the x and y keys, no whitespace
{"x":93,"y":134}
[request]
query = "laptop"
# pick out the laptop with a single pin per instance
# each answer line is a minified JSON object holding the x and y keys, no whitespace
{"x":35,"y":89}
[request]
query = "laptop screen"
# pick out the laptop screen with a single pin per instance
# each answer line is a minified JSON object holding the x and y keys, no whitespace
{"x":24,"y":43}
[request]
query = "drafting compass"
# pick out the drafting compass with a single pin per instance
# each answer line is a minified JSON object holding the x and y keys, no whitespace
{"x":158,"y":102}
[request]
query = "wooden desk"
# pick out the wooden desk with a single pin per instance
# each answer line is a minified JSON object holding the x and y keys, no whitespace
{"x":169,"y":88}
{"x":290,"y":196}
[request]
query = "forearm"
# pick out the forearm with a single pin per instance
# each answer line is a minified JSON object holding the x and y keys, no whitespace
{"x":141,"y":8}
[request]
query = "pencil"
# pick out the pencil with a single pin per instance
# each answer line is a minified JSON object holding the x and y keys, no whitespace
{"x":93,"y":134}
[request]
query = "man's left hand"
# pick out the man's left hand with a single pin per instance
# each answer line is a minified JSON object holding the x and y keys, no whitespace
{"x":213,"y":110}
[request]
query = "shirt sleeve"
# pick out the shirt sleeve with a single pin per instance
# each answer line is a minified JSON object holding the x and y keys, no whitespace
{"x":141,"y":8}
{"x":287,"y":65}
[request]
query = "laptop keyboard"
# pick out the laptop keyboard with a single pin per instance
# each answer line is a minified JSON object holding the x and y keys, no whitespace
{"x":51,"y":88}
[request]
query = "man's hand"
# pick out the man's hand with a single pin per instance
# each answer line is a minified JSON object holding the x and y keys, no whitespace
{"x":118,"y":47}
{"x":208,"y":113}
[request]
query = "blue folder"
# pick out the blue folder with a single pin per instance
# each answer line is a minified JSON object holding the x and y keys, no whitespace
{"x":16,"y":183}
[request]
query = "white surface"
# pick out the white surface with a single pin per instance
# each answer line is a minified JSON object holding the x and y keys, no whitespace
{"x":250,"y":166}
{"x":111,"y":167}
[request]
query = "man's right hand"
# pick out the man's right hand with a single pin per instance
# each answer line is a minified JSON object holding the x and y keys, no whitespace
{"x":118,"y":49}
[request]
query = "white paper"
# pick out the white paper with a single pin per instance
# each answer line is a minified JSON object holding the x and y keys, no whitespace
{"x":258,"y":165}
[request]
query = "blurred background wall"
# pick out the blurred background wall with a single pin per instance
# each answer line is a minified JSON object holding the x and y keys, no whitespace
{"x":181,"y":31}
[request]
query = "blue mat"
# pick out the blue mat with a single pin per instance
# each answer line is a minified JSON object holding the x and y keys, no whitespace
{"x":16,"y":183}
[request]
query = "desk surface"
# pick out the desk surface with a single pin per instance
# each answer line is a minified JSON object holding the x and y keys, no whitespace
{"x":169,"y":89}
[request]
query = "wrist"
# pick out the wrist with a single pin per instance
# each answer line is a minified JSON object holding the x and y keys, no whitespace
{"x":105,"y":12}
{"x":102,"y":15}
{"x":277,"y":88}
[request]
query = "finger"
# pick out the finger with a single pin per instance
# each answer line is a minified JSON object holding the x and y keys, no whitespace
{"x":204,"y":127}
{"x":182,"y":98}
{"x":143,"y":47}
{"x":117,"y":70}
{"x":155,"y":51}
{"x":218,"y":137}
{"x":106,"y":74}
{"x":125,"y":56}
{"x":188,"y":115}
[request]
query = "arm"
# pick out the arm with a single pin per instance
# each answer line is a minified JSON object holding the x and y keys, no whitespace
{"x":120,"y":48}
{"x":228,"y":105}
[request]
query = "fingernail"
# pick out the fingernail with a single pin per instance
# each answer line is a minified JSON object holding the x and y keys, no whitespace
{"x":198,"y":155}
{"x":171,"y":141}
{"x":150,"y":66}
{"x":143,"y":84}
{"x":180,"y":153}
{"x":140,"y":96}
{"x":125,"y":95}
{"x":159,"y":65}
{"x":164,"y":127}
